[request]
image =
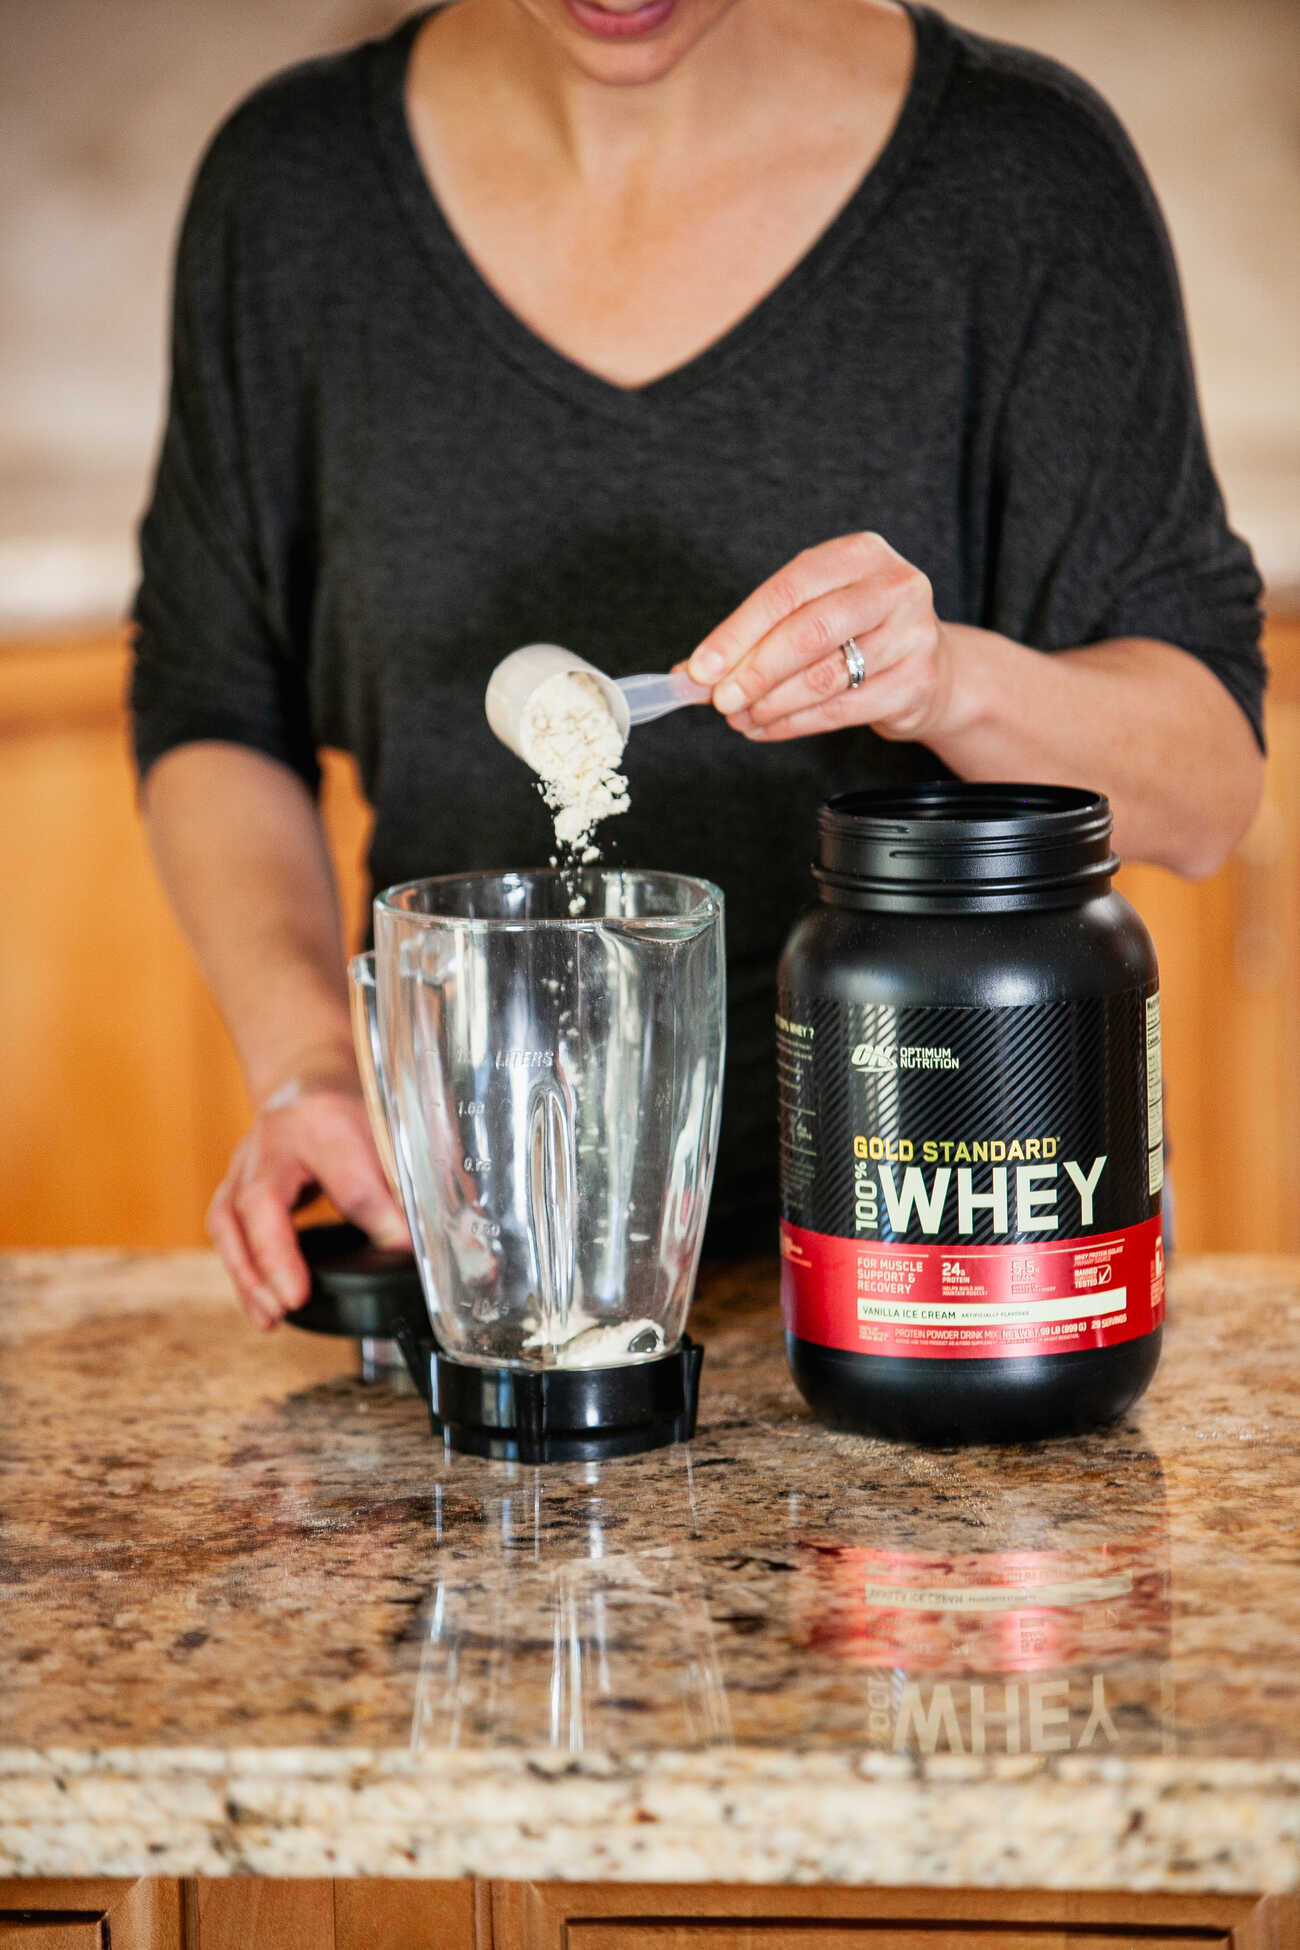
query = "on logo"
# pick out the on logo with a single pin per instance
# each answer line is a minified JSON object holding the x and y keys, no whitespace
{"x":875,"y":1056}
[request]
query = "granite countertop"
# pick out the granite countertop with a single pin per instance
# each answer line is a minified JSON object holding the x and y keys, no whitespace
{"x":254,"y":1622}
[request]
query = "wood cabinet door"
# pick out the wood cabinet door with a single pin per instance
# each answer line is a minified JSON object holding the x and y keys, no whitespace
{"x":51,"y":1933}
{"x":596,"y":1916}
{"x":251,"y":1913}
{"x":90,"y":1913}
{"x":408,"y":1915}
{"x":857,"y":1936}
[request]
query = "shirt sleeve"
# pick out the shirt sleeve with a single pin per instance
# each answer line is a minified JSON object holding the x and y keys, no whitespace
{"x":214,"y":653}
{"x":1109,"y":520}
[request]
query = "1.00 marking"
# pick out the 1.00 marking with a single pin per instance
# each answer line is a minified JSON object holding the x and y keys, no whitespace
{"x":470,"y":1107}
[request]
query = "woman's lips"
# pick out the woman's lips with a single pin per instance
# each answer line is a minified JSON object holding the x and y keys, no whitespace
{"x":611,"y":26}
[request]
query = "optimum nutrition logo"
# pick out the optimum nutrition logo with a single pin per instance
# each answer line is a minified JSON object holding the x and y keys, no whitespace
{"x":890,"y":1057}
{"x":875,"y":1056}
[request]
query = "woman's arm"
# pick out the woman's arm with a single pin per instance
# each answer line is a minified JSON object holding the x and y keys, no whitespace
{"x":1142,"y":721}
{"x":239,"y":846}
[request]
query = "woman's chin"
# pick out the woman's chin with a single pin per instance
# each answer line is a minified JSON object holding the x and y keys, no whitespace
{"x":621,"y":26}
{"x":628,"y":44}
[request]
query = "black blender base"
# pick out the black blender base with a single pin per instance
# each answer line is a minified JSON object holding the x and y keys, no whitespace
{"x":541,"y":1415}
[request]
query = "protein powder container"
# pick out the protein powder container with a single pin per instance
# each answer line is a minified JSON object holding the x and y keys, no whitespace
{"x":968,"y":1035}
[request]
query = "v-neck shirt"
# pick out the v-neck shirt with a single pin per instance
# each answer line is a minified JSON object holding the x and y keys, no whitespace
{"x":376,"y":479}
{"x":515,"y":341}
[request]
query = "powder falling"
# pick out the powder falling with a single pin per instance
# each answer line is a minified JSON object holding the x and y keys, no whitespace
{"x":570,"y":737}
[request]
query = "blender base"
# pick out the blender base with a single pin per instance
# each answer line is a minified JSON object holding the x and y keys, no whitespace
{"x":540,"y":1415}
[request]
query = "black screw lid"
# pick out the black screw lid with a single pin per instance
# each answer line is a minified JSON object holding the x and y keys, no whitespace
{"x":954,"y":841}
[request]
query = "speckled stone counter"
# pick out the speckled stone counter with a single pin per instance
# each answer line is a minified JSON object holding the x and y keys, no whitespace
{"x":252,"y":1621}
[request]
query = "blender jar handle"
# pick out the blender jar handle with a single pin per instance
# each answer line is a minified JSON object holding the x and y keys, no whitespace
{"x":365,"y":1035}
{"x":551,"y":1205}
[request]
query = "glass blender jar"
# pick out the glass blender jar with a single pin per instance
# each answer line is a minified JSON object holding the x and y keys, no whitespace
{"x":543,"y":1054}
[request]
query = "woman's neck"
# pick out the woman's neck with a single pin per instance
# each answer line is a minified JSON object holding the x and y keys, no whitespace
{"x":629,"y":227}
{"x":736,"y":89}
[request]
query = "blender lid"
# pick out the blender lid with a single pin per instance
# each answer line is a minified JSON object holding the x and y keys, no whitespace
{"x":358,"y":1289}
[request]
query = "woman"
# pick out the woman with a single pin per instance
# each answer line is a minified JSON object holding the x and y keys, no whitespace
{"x":829,"y":347}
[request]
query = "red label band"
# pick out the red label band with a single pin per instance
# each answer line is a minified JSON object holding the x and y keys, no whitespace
{"x":946,"y":1303}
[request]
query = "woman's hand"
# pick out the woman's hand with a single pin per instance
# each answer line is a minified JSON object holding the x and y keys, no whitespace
{"x":302,"y":1140}
{"x":1141,"y":720}
{"x":777,"y":663}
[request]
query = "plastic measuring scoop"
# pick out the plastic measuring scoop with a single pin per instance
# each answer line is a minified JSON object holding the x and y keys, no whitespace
{"x":653,"y":694}
{"x":632,"y":700}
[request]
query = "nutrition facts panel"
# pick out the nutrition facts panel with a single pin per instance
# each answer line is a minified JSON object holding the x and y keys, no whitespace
{"x":795,"y":1042}
{"x":1155,"y":1100}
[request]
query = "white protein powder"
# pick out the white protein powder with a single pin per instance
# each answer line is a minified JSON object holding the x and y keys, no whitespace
{"x":569,"y":736}
{"x":589,"y":1343}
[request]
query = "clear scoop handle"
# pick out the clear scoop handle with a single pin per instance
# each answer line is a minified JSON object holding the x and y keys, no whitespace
{"x":655,"y":693}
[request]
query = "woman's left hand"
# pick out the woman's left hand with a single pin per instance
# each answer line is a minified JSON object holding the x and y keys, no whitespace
{"x":778,"y":666}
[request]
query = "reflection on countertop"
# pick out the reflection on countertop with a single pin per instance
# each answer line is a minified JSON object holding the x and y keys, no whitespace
{"x":1050,"y":1641}
{"x":564,"y":1632}
{"x":559,"y":1636}
{"x":253,"y":1618}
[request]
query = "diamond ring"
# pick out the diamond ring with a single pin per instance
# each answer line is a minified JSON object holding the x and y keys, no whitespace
{"x":854,"y":662}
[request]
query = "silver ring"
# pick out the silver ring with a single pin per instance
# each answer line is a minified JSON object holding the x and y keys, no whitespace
{"x":854,"y":662}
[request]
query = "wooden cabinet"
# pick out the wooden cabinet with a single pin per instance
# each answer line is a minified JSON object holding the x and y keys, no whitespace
{"x":121,"y":1091}
{"x":243,"y":1912}
{"x":247,"y":1914}
{"x":286,"y":1915}
{"x":411,"y":1916}
{"x":594,"y":1916}
{"x":52,"y":1932}
{"x":91,"y":1914}
{"x":122,"y":1095}
{"x":1229,"y":952}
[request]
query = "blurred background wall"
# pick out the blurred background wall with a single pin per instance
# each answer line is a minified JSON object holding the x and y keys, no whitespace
{"x":121,"y":1094}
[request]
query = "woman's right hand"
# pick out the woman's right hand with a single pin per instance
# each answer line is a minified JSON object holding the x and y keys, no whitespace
{"x":304,"y":1140}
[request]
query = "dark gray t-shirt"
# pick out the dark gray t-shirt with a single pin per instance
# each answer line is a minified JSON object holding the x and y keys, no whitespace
{"x":376,"y":480}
